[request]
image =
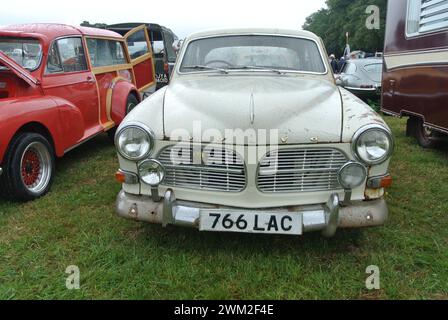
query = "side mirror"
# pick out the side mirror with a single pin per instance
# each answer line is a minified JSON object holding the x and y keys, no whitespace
{"x":339,"y":82}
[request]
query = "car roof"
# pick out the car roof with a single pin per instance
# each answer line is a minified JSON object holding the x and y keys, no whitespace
{"x":123,"y":28}
{"x":54,"y":30}
{"x":250,"y":31}
{"x":366,"y":61}
{"x":131,"y":25}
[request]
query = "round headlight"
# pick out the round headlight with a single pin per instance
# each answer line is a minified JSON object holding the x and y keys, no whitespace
{"x":151,"y":172}
{"x":352,"y":175}
{"x":373,"y":145}
{"x":134,"y":143}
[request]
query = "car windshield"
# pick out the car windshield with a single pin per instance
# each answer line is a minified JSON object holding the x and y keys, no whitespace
{"x":374,"y":71}
{"x":25,"y":52}
{"x":269,"y":53}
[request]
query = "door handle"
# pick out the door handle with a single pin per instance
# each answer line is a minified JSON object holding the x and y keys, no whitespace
{"x":392,"y":87}
{"x":90,"y":80}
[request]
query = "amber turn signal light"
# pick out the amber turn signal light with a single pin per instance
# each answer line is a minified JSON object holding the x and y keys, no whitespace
{"x":120,"y":177}
{"x":386,"y":182}
{"x":380,"y":182}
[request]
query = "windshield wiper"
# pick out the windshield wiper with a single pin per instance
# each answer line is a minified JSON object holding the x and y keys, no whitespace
{"x":257,"y":68}
{"x":206,"y":68}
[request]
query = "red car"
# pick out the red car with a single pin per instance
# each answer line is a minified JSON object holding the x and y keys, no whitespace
{"x":59,"y":87}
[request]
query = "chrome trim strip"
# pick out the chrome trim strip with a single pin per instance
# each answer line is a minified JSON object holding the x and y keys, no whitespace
{"x":362,"y":89}
{"x":413,"y":59}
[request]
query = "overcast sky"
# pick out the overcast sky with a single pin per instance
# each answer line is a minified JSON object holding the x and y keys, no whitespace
{"x":183,"y":17}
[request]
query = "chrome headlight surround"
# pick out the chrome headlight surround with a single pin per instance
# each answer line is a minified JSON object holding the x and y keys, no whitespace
{"x":369,"y":129}
{"x":151,"y":172}
{"x":362,"y":176}
{"x":146,"y":133}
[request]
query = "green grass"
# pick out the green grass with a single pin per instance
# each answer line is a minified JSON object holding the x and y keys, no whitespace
{"x":76,"y":225}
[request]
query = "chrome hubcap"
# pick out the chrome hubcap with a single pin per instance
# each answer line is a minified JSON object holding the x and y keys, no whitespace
{"x":427,"y":131}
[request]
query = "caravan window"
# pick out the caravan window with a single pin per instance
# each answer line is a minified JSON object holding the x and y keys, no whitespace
{"x":426,"y":16}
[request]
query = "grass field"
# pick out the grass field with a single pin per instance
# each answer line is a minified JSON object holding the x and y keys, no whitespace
{"x":118,"y":259}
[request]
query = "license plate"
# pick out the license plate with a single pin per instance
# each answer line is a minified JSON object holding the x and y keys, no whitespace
{"x":251,"y":222}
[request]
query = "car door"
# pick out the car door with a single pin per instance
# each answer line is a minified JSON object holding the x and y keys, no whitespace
{"x":67,"y":76}
{"x":140,"y":53}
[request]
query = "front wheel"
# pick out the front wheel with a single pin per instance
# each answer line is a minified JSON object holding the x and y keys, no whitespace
{"x":29,"y":168}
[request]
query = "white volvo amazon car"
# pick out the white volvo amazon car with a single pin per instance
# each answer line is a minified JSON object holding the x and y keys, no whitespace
{"x":253,"y":135}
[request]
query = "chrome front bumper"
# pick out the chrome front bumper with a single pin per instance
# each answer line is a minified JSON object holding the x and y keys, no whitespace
{"x":326,"y":218}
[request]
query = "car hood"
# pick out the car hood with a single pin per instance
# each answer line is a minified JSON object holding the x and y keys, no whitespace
{"x":301,"y":109}
{"x":18,"y":70}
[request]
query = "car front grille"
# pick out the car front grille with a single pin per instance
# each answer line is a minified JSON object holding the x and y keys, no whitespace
{"x":300,"y":170}
{"x":211,"y":170}
{"x":291,"y":170}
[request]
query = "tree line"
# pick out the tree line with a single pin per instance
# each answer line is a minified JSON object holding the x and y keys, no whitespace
{"x":342,"y":16}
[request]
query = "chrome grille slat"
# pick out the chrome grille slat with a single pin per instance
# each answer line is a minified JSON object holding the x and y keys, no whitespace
{"x":300,"y":170}
{"x":202,"y":168}
{"x":229,"y":175}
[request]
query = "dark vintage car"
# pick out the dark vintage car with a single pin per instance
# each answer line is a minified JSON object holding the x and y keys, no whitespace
{"x":362,"y":77}
{"x":162,"y":40}
{"x":415,"y":77}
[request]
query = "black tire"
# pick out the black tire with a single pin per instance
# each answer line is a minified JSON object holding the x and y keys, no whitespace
{"x":28,"y":168}
{"x":131,"y":103}
{"x":426,"y":138}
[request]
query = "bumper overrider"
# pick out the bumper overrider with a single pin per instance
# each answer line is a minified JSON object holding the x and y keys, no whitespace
{"x":326,"y":218}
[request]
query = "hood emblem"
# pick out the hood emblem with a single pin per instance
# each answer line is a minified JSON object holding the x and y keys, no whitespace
{"x":252,"y":109}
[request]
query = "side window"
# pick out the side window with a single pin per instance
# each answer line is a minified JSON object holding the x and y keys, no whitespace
{"x":159,"y":47}
{"x":104,"y":53}
{"x":137,"y":44}
{"x":169,"y":44}
{"x":54,"y":62}
{"x":72,"y":56}
{"x":426,"y":16}
{"x":66,"y":55}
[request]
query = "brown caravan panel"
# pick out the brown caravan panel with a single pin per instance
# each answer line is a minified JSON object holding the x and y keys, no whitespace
{"x":415,"y":77}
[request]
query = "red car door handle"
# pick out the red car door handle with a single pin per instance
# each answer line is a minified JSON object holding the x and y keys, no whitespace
{"x":90,"y":80}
